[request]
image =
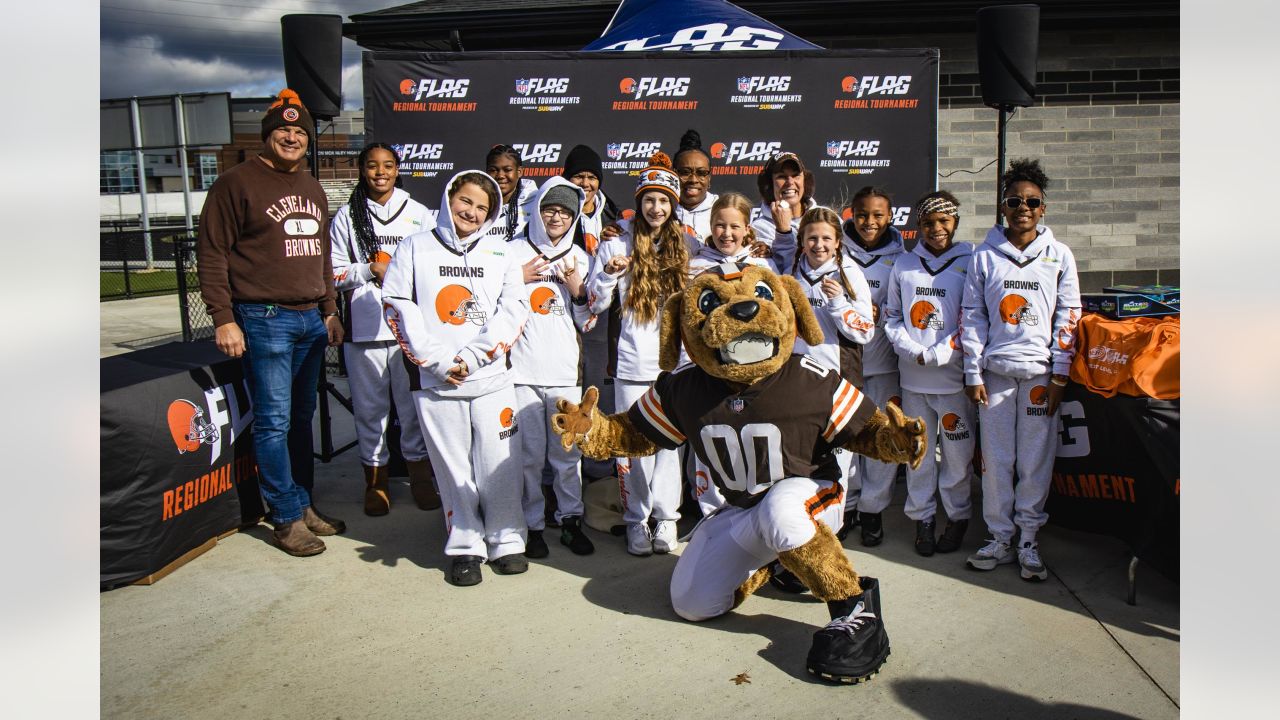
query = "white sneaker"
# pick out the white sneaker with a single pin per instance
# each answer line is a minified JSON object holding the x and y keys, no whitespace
{"x":639,"y":542}
{"x":1032,"y":566}
{"x":995,"y":552}
{"x":665,"y":537}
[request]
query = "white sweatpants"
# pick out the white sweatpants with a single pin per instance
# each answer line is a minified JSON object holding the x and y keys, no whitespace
{"x":648,"y":486}
{"x":848,"y":463}
{"x":534,"y":408}
{"x":877,"y":477}
{"x":1016,"y":433}
{"x":377,"y":375}
{"x":949,"y":425}
{"x":475,"y":453}
{"x":729,"y":546}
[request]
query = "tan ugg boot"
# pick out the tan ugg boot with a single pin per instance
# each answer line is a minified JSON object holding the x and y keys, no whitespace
{"x":822,"y":566}
{"x":422,"y":484}
{"x":377,"y":499}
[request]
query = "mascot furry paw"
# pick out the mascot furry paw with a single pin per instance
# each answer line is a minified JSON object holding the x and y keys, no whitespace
{"x":765,"y":423}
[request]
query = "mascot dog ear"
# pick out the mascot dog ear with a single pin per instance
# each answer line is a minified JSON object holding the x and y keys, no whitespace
{"x":669,"y":332}
{"x":807,"y":325}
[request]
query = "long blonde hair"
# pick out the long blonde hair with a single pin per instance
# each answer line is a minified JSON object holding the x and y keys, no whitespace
{"x":656,"y":274}
{"x":814,"y":216}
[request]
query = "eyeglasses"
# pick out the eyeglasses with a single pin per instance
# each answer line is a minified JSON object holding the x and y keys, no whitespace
{"x":685,"y":172}
{"x":556,"y":212}
{"x":1013,"y":203}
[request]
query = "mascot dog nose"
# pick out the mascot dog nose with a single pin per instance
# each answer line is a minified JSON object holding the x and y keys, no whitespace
{"x":744,"y":310}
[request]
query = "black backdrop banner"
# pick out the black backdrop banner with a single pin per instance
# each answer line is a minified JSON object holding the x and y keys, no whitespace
{"x":856,"y":118}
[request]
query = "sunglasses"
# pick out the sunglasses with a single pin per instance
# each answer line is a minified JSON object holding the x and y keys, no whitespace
{"x":1013,"y":203}
{"x":691,"y":172}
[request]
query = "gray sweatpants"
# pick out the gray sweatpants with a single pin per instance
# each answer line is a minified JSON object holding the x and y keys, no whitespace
{"x":1016,"y":432}
{"x":539,"y":445}
{"x":476,"y":457}
{"x":376,"y":374}
{"x":949,"y":425}
{"x":876,"y":477}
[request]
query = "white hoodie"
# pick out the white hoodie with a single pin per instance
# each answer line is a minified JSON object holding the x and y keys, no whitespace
{"x":401,"y":217}
{"x":698,"y":220}
{"x":525,"y":190}
{"x":1020,"y":307}
{"x":922,"y":317}
{"x":845,"y":321}
{"x":448,"y":297}
{"x":549,"y":351}
{"x":878,"y":357}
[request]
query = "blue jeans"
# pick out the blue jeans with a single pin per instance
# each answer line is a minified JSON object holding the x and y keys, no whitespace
{"x":284,"y":352}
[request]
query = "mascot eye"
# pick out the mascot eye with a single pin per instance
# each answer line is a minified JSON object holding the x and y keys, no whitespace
{"x":763,"y":291}
{"x":708,"y":300}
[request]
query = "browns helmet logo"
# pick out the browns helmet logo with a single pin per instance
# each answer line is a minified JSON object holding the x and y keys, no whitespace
{"x":506,"y":417}
{"x":289,"y":114}
{"x":925,"y":316}
{"x":188,"y":426}
{"x":653,"y":175}
{"x":546,"y":301}
{"x":455,"y":305}
{"x":718,"y":150}
{"x":626,"y":86}
{"x":407,"y":86}
{"x":848,"y":83}
{"x":1015,"y":310}
{"x":1039,"y":395}
{"x":952,"y":423}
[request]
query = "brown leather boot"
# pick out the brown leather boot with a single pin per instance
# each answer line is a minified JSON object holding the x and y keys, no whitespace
{"x":422,"y":484}
{"x":295,"y":539}
{"x":321,"y":524}
{"x":377,"y":498}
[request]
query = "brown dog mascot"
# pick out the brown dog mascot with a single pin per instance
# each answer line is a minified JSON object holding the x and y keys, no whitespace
{"x":765,"y":423}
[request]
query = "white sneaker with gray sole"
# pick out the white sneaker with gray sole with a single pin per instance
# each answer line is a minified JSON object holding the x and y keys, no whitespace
{"x":995,"y":552}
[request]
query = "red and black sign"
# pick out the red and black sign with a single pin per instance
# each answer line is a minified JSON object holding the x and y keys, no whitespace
{"x":856,"y":118}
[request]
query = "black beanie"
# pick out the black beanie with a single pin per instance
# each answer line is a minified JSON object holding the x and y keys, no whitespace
{"x":582,"y":158}
{"x":287,"y":110}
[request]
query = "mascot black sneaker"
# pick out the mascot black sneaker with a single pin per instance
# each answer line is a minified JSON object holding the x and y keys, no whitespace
{"x":853,"y":646}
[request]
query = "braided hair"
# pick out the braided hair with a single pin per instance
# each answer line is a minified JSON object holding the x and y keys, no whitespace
{"x":512,"y":205}
{"x":358,"y":204}
{"x":814,"y":216}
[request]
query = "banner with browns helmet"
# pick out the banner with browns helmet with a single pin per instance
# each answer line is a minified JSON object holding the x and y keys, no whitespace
{"x":177,"y":462}
{"x":1117,"y":472}
{"x":856,"y":118}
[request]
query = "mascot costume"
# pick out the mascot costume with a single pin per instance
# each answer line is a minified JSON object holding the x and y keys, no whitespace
{"x":765,"y":423}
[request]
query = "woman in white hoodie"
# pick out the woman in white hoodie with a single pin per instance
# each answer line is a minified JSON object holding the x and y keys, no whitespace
{"x":693,"y":167}
{"x":922,"y":321}
{"x":363,"y":237}
{"x":455,"y":300}
{"x":1021,"y":304}
{"x":504,"y":165}
{"x":547,"y":360}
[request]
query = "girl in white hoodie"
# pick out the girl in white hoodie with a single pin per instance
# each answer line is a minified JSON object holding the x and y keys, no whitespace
{"x":455,"y":300}
{"x":635,"y":272}
{"x":363,"y":237}
{"x":1021,"y":304}
{"x":504,"y":165}
{"x":922,"y":322}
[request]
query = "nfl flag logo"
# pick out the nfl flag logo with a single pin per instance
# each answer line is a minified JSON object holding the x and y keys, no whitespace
{"x":737,"y":404}
{"x":744,"y":84}
{"x":522,"y":86}
{"x":614,"y":150}
{"x":833,"y":148}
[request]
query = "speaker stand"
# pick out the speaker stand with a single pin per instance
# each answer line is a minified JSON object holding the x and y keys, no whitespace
{"x":1005,"y":112}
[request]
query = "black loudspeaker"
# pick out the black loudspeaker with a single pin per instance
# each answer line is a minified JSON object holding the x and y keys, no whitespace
{"x":313,"y":61}
{"x":1008,"y":45}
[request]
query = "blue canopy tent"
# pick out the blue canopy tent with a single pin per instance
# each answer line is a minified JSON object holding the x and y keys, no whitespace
{"x":697,"y":25}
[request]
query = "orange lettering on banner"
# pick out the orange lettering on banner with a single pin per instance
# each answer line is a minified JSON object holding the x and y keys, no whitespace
{"x":183,"y":497}
{"x":167,"y":505}
{"x":1090,"y":484}
{"x":189,"y":492}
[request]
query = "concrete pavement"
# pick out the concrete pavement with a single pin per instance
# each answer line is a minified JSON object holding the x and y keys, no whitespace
{"x":371,"y":629}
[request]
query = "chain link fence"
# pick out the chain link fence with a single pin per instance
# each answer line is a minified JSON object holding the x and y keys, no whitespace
{"x":135,"y":263}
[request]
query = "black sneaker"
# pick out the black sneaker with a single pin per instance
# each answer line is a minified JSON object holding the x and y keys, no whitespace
{"x":572,"y":535}
{"x":852,"y":647}
{"x":465,"y":570}
{"x":872,"y":529}
{"x":851,"y":521}
{"x":512,"y":564}
{"x":785,"y":580}
{"x":536,"y":546}
{"x":952,"y":536}
{"x":925,"y":542}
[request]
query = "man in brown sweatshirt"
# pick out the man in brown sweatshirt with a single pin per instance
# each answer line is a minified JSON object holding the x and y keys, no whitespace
{"x":267,"y":282}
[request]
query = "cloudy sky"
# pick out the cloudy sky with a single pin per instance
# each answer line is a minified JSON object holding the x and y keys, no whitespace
{"x":160,"y":47}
